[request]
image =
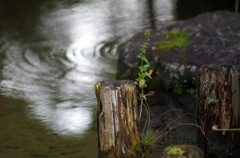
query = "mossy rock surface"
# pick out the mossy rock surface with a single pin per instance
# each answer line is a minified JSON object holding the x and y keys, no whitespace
{"x":183,"y":46}
{"x":174,"y":40}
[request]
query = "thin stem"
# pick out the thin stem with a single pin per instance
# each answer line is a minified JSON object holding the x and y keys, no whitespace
{"x":225,"y":129}
{"x":147,"y":122}
{"x":169,"y":111}
{"x":163,"y":133}
{"x":167,"y":128}
{"x":140,"y":112}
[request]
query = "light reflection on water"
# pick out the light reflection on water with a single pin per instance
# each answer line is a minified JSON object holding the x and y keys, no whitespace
{"x":74,"y":47}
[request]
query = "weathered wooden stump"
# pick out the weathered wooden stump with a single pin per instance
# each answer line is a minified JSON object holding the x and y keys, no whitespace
{"x":218,"y":108}
{"x":117,"y":119}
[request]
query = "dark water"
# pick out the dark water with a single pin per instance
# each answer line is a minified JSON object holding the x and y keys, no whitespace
{"x":51,"y":55}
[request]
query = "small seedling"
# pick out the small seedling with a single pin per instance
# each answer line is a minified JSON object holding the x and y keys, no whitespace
{"x":149,"y":137}
{"x":145,"y":70}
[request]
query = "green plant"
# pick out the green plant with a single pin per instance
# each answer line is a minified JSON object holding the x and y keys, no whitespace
{"x":148,"y":136}
{"x":145,"y":70}
{"x":148,"y":139}
{"x":175,"y":39}
{"x":144,"y":73}
{"x":151,"y":137}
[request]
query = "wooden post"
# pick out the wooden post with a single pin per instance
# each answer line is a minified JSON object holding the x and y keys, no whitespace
{"x":218,"y":108}
{"x":117,"y":119}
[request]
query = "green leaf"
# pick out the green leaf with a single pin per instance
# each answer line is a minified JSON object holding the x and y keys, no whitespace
{"x":141,"y":75}
{"x":142,"y":95}
{"x":143,"y":50}
{"x":143,"y":68}
{"x":146,"y":67}
{"x":145,"y":59}
{"x":148,"y":75}
{"x":146,"y":33}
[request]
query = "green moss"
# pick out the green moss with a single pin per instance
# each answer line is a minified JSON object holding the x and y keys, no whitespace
{"x":173,"y":150}
{"x":176,"y":40}
{"x":135,"y":149}
{"x":134,"y":145}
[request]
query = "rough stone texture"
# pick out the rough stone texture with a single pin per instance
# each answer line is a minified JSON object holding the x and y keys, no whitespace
{"x":215,"y":39}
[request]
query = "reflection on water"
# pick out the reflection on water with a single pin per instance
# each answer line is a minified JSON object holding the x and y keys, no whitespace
{"x":54,"y":54}
{"x":56,"y":74}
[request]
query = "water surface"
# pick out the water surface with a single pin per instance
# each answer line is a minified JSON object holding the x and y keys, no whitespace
{"x":52,"y":54}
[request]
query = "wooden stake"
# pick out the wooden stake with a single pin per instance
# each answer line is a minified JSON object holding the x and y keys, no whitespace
{"x":218,"y":106}
{"x":117,"y":119}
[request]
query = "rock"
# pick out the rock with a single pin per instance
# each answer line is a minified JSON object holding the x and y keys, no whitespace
{"x":214,"y":38}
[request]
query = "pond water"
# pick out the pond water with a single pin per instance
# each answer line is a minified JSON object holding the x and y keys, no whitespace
{"x":51,"y":55}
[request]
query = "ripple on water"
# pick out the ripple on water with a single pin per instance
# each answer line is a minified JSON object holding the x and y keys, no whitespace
{"x":60,"y":96}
